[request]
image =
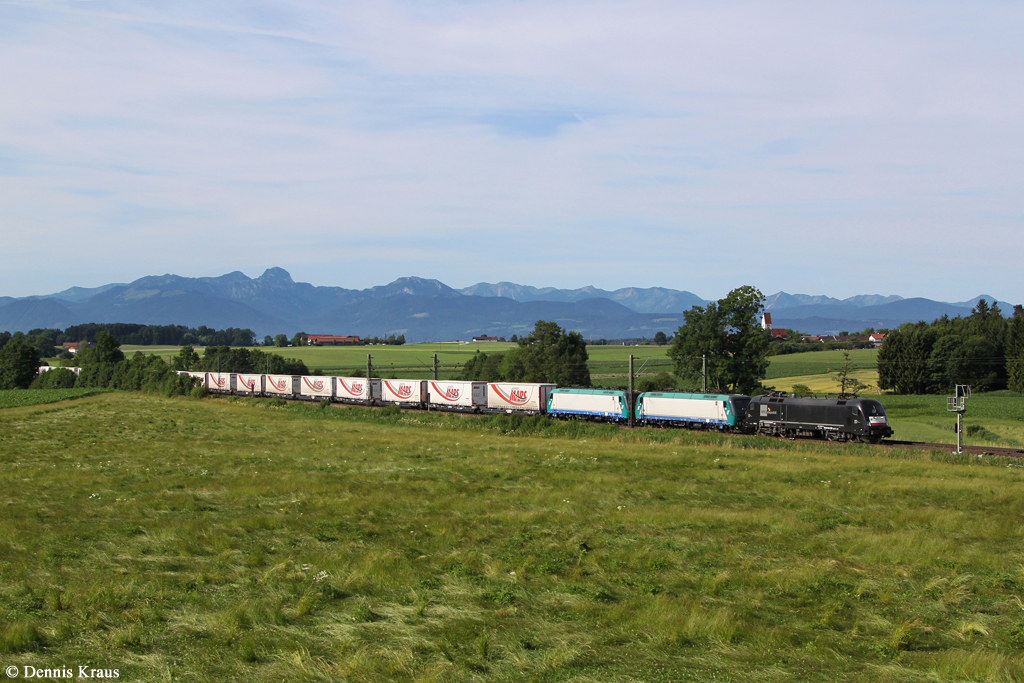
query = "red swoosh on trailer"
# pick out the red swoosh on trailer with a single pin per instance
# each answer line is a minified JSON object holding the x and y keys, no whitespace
{"x":397,"y":393}
{"x":313,"y":386}
{"x":442,"y":394}
{"x":349,"y":389}
{"x":508,"y":399}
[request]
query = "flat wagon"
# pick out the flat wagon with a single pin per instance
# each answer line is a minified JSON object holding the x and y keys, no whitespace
{"x":315,"y":387}
{"x":518,"y":397}
{"x":455,"y":395}
{"x":356,"y":389}
{"x":249,"y":385}
{"x":407,"y":392}
{"x":282,"y":386}
{"x":221,"y":382}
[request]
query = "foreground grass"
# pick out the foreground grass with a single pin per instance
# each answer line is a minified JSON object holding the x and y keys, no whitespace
{"x":217,"y":540}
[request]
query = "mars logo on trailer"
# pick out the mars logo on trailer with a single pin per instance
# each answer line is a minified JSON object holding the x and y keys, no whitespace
{"x":278,"y":384}
{"x":516,"y":397}
{"x":317,"y":385}
{"x":449,"y":393}
{"x":403,"y":390}
{"x":219,"y":381}
{"x":355,"y":390}
{"x":248,"y":384}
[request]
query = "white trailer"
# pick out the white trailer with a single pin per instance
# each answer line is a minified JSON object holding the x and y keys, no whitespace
{"x":313,"y":387}
{"x":457,"y":395}
{"x":356,"y":389}
{"x":47,"y":368}
{"x":403,"y":391}
{"x":200,"y":377}
{"x":518,"y":397}
{"x":221,"y":382}
{"x":281,"y":385}
{"x":251,"y":385}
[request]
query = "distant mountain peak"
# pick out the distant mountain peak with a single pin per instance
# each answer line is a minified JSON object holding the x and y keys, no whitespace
{"x":412,"y":285}
{"x":276,"y":275}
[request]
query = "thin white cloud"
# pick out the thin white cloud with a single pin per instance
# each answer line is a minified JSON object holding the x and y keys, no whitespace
{"x":681,"y":144}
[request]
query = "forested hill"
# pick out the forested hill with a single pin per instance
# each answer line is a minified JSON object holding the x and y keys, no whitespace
{"x":427,"y":310}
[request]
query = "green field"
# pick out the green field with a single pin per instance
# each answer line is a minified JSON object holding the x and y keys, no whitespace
{"x":16,"y":398}
{"x":213,"y":540}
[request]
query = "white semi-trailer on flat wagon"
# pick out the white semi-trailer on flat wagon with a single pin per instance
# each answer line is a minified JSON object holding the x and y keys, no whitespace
{"x":313,"y":387}
{"x":221,"y":382}
{"x":518,"y":397}
{"x":403,"y":391}
{"x":457,"y":395}
{"x":281,"y":385}
{"x":356,"y":389}
{"x":199,"y":377}
{"x":250,"y":385}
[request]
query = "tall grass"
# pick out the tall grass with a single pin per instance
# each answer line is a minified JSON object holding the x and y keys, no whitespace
{"x":222,"y":540}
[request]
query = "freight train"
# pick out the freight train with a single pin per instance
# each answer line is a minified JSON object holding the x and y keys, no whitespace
{"x":833,"y":419}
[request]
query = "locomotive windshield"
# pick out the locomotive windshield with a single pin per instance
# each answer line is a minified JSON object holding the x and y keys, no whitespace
{"x":874,"y":409}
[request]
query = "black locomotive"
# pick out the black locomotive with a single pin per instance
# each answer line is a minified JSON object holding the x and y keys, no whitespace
{"x":834,"y":419}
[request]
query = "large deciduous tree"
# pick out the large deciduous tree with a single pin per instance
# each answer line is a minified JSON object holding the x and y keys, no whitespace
{"x":728,"y":333}
{"x":548,"y":354}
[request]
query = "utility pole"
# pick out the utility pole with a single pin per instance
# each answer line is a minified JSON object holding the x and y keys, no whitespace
{"x":958,"y":404}
{"x":435,"y":367}
{"x":629,"y":395}
{"x":369,"y":382}
{"x":704,"y":374}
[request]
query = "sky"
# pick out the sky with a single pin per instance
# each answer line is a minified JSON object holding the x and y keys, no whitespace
{"x":811,"y":147}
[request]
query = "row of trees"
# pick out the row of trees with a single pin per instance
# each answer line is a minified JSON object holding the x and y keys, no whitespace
{"x":228,"y":359}
{"x":984,"y":350}
{"x":150,"y":335}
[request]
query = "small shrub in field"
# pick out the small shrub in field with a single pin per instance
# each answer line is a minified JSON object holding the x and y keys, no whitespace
{"x":247,"y":650}
{"x":363,"y":614}
{"x":199,"y":392}
{"x":390,"y":412}
{"x":21,"y":637}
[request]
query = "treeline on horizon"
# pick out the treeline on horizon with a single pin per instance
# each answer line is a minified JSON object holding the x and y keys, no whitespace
{"x":984,"y":350}
{"x":48,"y":341}
{"x":106,"y":366}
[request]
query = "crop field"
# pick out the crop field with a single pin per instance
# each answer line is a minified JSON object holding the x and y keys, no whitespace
{"x":209,"y":540}
{"x":16,"y":398}
{"x":992,"y":419}
{"x":821,"y":363}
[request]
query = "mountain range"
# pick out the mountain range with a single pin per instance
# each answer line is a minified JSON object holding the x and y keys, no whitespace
{"x":429,"y":310}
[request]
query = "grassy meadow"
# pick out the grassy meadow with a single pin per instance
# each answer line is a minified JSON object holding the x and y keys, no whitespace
{"x":203,"y":540}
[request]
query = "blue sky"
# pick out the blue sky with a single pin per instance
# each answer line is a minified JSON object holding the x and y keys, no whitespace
{"x":815,"y":147}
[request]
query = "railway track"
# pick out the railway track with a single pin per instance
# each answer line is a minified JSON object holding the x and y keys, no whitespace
{"x":973,"y":450}
{"x":979,"y":451}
